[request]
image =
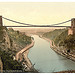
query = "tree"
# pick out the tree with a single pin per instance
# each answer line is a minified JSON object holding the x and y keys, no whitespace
{"x":70,"y":42}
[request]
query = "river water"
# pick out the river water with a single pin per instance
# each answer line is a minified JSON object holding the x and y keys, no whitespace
{"x":47,"y":60}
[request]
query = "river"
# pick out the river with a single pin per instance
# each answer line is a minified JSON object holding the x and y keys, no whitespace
{"x":46,"y":60}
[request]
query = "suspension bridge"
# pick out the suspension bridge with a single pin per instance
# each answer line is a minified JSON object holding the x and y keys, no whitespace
{"x":32,"y":25}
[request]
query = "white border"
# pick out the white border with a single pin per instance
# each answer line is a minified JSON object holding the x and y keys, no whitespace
{"x":37,"y":0}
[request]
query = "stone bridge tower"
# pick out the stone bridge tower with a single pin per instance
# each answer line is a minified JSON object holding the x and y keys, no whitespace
{"x":71,"y":30}
{"x":1,"y":24}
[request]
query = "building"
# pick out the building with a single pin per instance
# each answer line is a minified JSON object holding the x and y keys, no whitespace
{"x":1,"y":24}
{"x":71,"y":30}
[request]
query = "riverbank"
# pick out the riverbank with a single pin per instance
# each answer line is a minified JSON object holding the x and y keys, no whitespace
{"x":22,"y":56}
{"x":23,"y":50}
{"x":59,"y":50}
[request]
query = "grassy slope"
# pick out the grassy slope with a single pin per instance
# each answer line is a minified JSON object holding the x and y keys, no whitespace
{"x":61,"y":37}
{"x":53,"y":34}
{"x":57,"y":35}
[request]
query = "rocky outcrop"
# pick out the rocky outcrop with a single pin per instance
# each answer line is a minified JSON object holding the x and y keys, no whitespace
{"x":4,"y":39}
{"x":6,"y":43}
{"x":11,"y":47}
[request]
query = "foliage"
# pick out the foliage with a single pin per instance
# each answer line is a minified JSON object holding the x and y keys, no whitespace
{"x":70,"y":42}
{"x":53,"y":34}
{"x":6,"y":54}
{"x":20,"y":38}
{"x":1,"y":32}
{"x":59,"y":39}
{"x":9,"y":63}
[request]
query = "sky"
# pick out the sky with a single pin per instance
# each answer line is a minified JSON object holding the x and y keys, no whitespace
{"x":37,"y":12}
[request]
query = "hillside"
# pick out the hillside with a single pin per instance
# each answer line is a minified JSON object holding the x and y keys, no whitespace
{"x":53,"y":34}
{"x":68,"y":43}
{"x":58,"y":39}
{"x":62,"y":39}
{"x":18,"y":40}
{"x":10,"y":43}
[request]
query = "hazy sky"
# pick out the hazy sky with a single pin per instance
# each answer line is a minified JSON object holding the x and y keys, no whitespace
{"x":37,"y":13}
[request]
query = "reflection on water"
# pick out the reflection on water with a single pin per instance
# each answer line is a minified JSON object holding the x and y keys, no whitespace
{"x":45,"y":59}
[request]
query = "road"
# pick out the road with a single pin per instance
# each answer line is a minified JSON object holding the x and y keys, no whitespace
{"x":23,"y":50}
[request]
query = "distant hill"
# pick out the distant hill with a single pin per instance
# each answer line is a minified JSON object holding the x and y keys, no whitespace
{"x":53,"y":34}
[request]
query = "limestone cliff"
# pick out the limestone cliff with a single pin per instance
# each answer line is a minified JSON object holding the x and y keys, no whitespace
{"x":12,"y":41}
{"x":4,"y":39}
{"x":6,"y":43}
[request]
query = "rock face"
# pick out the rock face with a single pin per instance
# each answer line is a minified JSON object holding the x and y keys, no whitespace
{"x":71,"y":30}
{"x":4,"y":39}
{"x":11,"y":47}
{"x":6,"y":43}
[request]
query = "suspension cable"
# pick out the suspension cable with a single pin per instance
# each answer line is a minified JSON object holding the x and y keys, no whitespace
{"x":35,"y":25}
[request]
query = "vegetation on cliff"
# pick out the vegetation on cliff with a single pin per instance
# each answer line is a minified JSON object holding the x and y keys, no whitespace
{"x":20,"y":38}
{"x":53,"y":34}
{"x":10,"y":65}
{"x":1,"y":32}
{"x":61,"y":38}
{"x":68,"y":43}
{"x":11,"y":42}
{"x":65,"y":40}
